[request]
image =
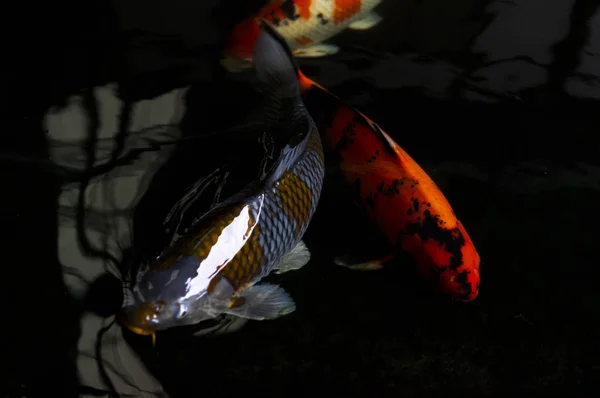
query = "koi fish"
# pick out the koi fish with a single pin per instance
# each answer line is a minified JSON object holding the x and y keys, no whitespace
{"x":304,"y":24}
{"x":216,"y":267}
{"x":396,"y":193}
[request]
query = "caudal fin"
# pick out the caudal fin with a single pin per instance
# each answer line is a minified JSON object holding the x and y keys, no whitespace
{"x":284,"y":113}
{"x":274,"y":63}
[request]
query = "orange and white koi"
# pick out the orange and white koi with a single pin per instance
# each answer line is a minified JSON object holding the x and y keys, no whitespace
{"x":304,"y":24}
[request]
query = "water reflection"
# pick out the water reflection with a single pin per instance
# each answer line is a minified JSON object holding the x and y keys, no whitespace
{"x":524,"y":178}
{"x":95,"y":209}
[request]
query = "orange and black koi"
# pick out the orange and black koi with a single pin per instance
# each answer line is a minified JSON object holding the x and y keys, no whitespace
{"x":397,"y":194}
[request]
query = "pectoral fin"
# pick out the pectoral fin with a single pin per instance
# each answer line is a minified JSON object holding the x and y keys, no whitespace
{"x":367,"y":22}
{"x":260,"y":302}
{"x":316,"y":51}
{"x":351,"y":263}
{"x":295,"y":259}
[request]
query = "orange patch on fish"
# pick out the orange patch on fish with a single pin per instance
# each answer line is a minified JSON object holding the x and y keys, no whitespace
{"x":296,"y":199}
{"x":303,"y":8}
{"x":272,"y":12}
{"x":241,"y":40}
{"x":345,"y":9}
{"x":304,"y":41}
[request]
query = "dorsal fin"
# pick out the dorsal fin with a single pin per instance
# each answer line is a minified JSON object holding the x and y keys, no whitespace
{"x":390,"y":145}
{"x":276,"y":67}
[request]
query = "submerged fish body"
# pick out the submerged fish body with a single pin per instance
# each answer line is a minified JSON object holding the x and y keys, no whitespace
{"x":215,"y":267}
{"x":396,"y":193}
{"x":304,"y":24}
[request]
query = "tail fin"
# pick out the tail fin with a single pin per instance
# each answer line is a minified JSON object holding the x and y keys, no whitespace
{"x":274,"y":63}
{"x":284,"y":111}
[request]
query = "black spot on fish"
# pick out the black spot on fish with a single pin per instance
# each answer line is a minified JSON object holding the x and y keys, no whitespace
{"x":322,"y":19}
{"x":374,"y":157}
{"x":463,"y":280}
{"x":431,"y":228}
{"x":342,"y":144}
{"x":379,"y":187}
{"x":289,"y":10}
{"x":274,"y":19}
{"x":392,"y":189}
{"x":415,"y":204}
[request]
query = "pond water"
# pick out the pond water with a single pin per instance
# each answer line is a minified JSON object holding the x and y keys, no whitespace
{"x":114,"y":129}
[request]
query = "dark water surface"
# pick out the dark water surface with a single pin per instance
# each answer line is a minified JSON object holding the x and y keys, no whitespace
{"x":498,"y":101}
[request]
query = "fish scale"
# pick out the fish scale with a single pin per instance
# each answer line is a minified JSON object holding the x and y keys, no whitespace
{"x":310,"y":171}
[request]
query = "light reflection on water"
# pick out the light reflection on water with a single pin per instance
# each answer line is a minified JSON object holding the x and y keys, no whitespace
{"x":508,"y":65}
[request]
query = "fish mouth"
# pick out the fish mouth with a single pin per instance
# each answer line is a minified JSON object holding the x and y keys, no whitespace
{"x":137,"y":329}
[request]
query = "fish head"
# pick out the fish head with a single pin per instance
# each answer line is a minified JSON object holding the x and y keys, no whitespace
{"x":237,"y":55}
{"x":147,"y":318}
{"x":461,"y":284}
{"x":446,"y":258}
{"x":163,"y":298}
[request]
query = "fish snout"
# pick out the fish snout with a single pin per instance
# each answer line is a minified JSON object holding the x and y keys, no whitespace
{"x":143,"y":319}
{"x":462,"y":286}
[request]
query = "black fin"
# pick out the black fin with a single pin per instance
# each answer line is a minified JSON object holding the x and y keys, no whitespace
{"x":274,"y":64}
